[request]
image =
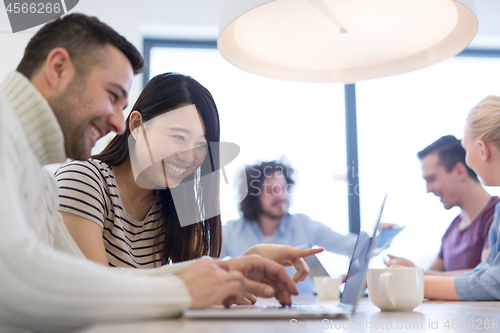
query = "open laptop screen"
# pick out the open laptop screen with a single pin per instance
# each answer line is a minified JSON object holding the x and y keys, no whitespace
{"x":354,"y":285}
{"x":355,"y":281}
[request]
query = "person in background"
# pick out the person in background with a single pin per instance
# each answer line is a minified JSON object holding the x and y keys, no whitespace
{"x":69,"y":90}
{"x":481,"y":141}
{"x":265,"y":218}
{"x":465,"y":243}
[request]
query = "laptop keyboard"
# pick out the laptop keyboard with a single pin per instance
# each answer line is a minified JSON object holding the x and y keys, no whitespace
{"x":301,"y":307}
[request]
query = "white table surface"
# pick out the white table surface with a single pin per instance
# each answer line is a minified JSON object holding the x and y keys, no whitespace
{"x":430,"y":316}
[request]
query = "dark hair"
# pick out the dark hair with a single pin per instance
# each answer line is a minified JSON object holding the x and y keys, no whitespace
{"x":164,"y":93}
{"x":450,"y":152}
{"x":255,"y":174}
{"x":82,"y":36}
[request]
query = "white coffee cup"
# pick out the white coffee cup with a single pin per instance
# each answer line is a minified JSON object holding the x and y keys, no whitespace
{"x":327,"y":287}
{"x":396,"y":289}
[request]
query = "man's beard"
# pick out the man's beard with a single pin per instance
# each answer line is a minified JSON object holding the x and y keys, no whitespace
{"x":272,"y":215}
{"x":71,"y":102}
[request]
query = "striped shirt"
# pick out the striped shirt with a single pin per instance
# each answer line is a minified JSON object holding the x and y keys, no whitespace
{"x":89,"y":189}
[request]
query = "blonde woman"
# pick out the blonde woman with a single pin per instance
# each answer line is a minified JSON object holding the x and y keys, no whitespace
{"x":482,"y":142}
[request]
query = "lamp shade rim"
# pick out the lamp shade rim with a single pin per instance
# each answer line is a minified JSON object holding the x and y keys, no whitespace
{"x":453,"y":43}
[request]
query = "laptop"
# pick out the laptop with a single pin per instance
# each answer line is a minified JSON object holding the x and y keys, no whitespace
{"x":353,"y":289}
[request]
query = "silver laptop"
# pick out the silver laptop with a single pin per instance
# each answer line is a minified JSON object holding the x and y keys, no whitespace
{"x":353,"y":289}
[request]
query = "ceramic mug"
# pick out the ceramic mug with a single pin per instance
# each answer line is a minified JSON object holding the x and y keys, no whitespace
{"x":327,"y":287}
{"x":396,"y":289}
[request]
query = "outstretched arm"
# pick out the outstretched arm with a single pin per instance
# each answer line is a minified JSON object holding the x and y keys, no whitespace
{"x":440,"y":287}
{"x":437,"y":267}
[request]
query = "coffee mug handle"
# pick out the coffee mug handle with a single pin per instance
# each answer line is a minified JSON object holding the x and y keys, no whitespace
{"x":383,"y":282}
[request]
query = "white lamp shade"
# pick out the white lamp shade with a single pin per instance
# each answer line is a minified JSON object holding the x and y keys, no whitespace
{"x":342,"y":40}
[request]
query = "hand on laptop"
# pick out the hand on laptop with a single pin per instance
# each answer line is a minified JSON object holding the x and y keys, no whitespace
{"x":263,"y":277}
{"x":210,"y":284}
{"x":250,"y":299}
{"x":286,"y":256}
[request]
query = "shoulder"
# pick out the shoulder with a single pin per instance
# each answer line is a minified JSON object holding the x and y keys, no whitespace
{"x":490,"y":207}
{"x":496,"y":217}
{"x":15,"y":152}
{"x":493,"y":206}
{"x":90,"y":170}
{"x":4,"y":103}
{"x":235,"y":225}
{"x":84,"y":189}
{"x":299,"y":219}
{"x":11,"y":128}
{"x":455,"y":222}
{"x":489,"y":212}
{"x":89,"y":177}
{"x":452,"y":228}
{"x":302,"y":223}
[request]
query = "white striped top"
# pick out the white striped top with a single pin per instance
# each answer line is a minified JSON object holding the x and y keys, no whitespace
{"x":89,"y":189}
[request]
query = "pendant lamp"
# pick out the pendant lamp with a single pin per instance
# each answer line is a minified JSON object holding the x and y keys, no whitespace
{"x":342,"y":40}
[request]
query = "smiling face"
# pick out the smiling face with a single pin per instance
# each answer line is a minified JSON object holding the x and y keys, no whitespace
{"x":92,"y":104}
{"x":168,"y":148}
{"x":440,"y":182}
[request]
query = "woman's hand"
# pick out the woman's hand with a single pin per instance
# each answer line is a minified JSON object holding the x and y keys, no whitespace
{"x":262,"y":278}
{"x":398,"y":262}
{"x":286,"y":256}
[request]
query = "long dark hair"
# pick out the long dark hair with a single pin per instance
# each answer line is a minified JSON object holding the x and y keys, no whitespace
{"x":164,"y":93}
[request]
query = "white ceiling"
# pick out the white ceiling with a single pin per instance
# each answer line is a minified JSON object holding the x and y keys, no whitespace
{"x":488,"y":14}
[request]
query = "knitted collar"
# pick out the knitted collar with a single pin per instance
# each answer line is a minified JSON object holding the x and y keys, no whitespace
{"x":40,"y":126}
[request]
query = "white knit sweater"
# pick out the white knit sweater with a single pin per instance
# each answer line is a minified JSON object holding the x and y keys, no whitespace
{"x":45,"y":289}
